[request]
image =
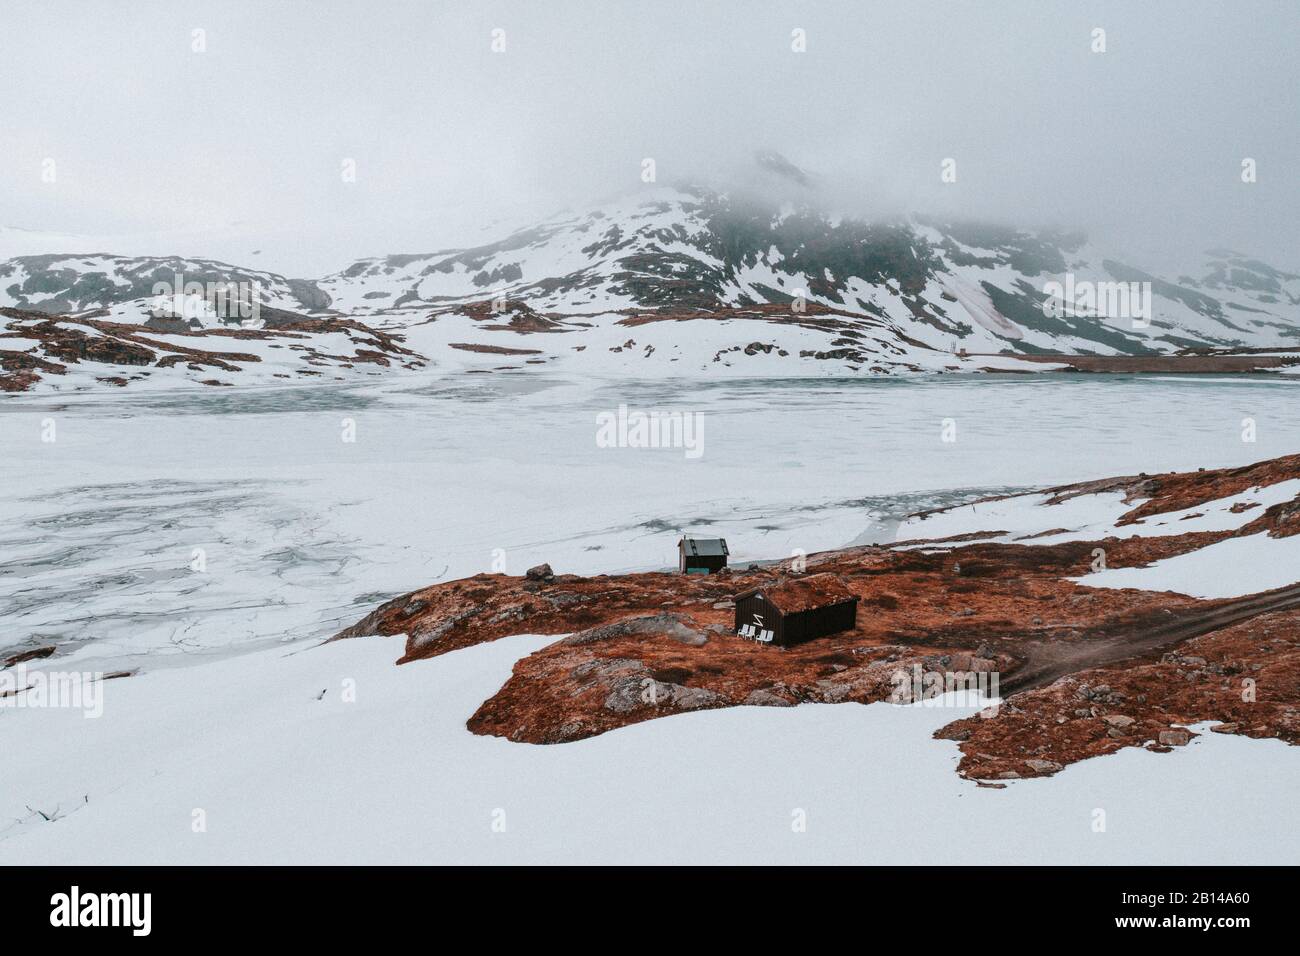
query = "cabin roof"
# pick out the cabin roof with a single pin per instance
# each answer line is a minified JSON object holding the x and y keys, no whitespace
{"x":792,"y":595}
{"x":703,"y":547}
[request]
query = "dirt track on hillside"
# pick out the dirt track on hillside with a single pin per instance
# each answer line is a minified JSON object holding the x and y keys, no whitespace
{"x":1046,"y":662}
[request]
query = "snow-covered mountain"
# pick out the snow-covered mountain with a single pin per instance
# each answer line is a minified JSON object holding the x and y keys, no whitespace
{"x":978,"y":286}
{"x":73,"y":284}
{"x":715,"y":280}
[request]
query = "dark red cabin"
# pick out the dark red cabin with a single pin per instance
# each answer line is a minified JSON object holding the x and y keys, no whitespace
{"x":796,"y":609}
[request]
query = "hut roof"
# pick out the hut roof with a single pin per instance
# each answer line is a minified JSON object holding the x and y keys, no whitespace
{"x":792,"y":595}
{"x":704,"y":547}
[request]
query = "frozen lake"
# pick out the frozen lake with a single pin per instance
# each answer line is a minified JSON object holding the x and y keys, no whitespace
{"x":182,"y":525}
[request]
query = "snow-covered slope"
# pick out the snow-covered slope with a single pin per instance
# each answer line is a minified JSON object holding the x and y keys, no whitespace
{"x":74,"y":354}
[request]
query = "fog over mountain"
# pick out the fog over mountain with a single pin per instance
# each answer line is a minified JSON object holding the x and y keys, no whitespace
{"x":237,"y":150}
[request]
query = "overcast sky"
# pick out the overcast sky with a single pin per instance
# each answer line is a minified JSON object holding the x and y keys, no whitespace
{"x":1141,"y":145}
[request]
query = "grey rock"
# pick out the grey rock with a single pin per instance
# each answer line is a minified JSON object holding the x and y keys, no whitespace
{"x":765,"y":698}
{"x":670,"y":625}
{"x":833,"y":693}
{"x":424,"y":638}
{"x":563,"y":598}
{"x":634,"y":692}
{"x":606,"y":669}
{"x":542,"y":572}
{"x":693,"y":698}
{"x":415,"y":607}
{"x":571,"y":730}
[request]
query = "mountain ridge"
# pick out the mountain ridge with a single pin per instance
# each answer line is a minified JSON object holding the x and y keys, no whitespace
{"x":919,"y":284}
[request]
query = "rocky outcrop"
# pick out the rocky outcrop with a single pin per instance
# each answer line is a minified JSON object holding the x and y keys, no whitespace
{"x":1082,"y":671}
{"x":35,"y":345}
{"x":510,"y":315}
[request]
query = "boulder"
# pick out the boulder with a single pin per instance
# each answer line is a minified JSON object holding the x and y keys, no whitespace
{"x":693,"y":698}
{"x":542,"y":572}
{"x":634,"y":692}
{"x":765,"y":698}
